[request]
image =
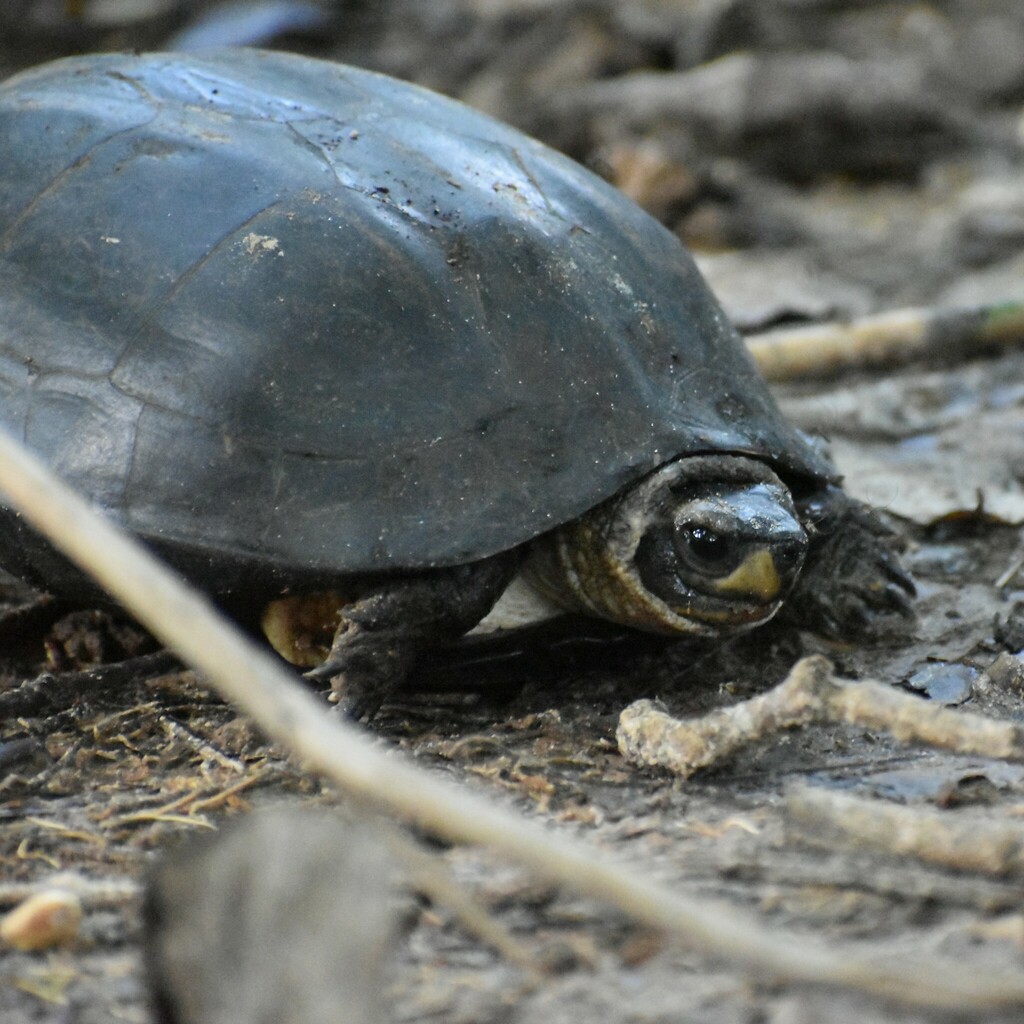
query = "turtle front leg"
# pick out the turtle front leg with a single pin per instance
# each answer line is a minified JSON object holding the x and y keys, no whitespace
{"x":852,"y":580}
{"x":381,"y":634}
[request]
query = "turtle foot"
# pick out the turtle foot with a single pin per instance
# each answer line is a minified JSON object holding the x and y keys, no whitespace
{"x":853,"y":583}
{"x":364,"y":668}
{"x":382,"y":634}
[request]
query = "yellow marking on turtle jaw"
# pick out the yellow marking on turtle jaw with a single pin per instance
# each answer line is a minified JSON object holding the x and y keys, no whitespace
{"x":755,"y":577}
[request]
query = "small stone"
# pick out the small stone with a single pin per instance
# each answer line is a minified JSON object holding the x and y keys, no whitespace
{"x":1008,"y":631}
{"x":42,"y":921}
{"x":944,"y":682}
{"x":1007,"y":672}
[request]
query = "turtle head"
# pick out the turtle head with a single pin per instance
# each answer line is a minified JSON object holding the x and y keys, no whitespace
{"x":704,"y":545}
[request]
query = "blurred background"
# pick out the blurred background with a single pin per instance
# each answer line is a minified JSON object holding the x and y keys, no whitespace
{"x":822,"y":157}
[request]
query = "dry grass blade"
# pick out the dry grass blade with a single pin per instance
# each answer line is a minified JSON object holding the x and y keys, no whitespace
{"x":255,"y":682}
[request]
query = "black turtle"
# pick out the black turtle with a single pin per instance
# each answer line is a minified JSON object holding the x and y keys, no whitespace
{"x":302,"y":328}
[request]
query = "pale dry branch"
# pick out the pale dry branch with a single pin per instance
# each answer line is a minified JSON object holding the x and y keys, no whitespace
{"x":93,"y":892}
{"x":810,"y":694}
{"x":896,"y":336}
{"x":286,"y":712}
{"x":960,"y":841}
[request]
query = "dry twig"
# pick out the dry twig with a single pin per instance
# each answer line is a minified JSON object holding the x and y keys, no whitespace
{"x":105,"y":892}
{"x":809,"y":694}
{"x":286,"y":712}
{"x":950,"y":840}
{"x":896,"y":336}
{"x":61,"y":689}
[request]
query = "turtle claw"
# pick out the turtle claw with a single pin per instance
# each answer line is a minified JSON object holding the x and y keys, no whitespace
{"x":354,"y":695}
{"x":892,"y":569}
{"x":899,"y":599}
{"x":358,"y":702}
{"x":363,"y":667}
{"x":323,"y":673}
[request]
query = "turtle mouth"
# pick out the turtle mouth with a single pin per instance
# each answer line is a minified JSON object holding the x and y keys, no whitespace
{"x":713,"y":614}
{"x":744,"y":597}
{"x":721,"y":615}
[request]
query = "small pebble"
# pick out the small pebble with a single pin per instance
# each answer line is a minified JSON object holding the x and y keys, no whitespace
{"x":42,"y":921}
{"x":944,"y":682}
{"x":1007,"y":671}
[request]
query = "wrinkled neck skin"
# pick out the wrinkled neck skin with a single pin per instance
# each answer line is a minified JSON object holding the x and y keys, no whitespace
{"x":620,"y":561}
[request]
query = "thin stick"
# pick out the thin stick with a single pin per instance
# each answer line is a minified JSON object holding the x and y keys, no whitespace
{"x":286,"y":712}
{"x":958,"y":842}
{"x":429,"y":875}
{"x":809,"y":694}
{"x":111,"y":892}
{"x":896,"y":336}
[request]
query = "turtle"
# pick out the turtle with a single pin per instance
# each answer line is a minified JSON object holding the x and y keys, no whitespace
{"x":341,"y":349}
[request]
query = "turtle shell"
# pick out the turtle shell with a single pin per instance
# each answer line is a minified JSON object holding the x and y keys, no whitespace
{"x":271,"y":311}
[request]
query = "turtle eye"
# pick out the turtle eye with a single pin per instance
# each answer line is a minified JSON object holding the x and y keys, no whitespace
{"x":704,"y":549}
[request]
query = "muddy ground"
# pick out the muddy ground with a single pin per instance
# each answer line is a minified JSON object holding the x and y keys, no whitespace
{"x":823,"y":160}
